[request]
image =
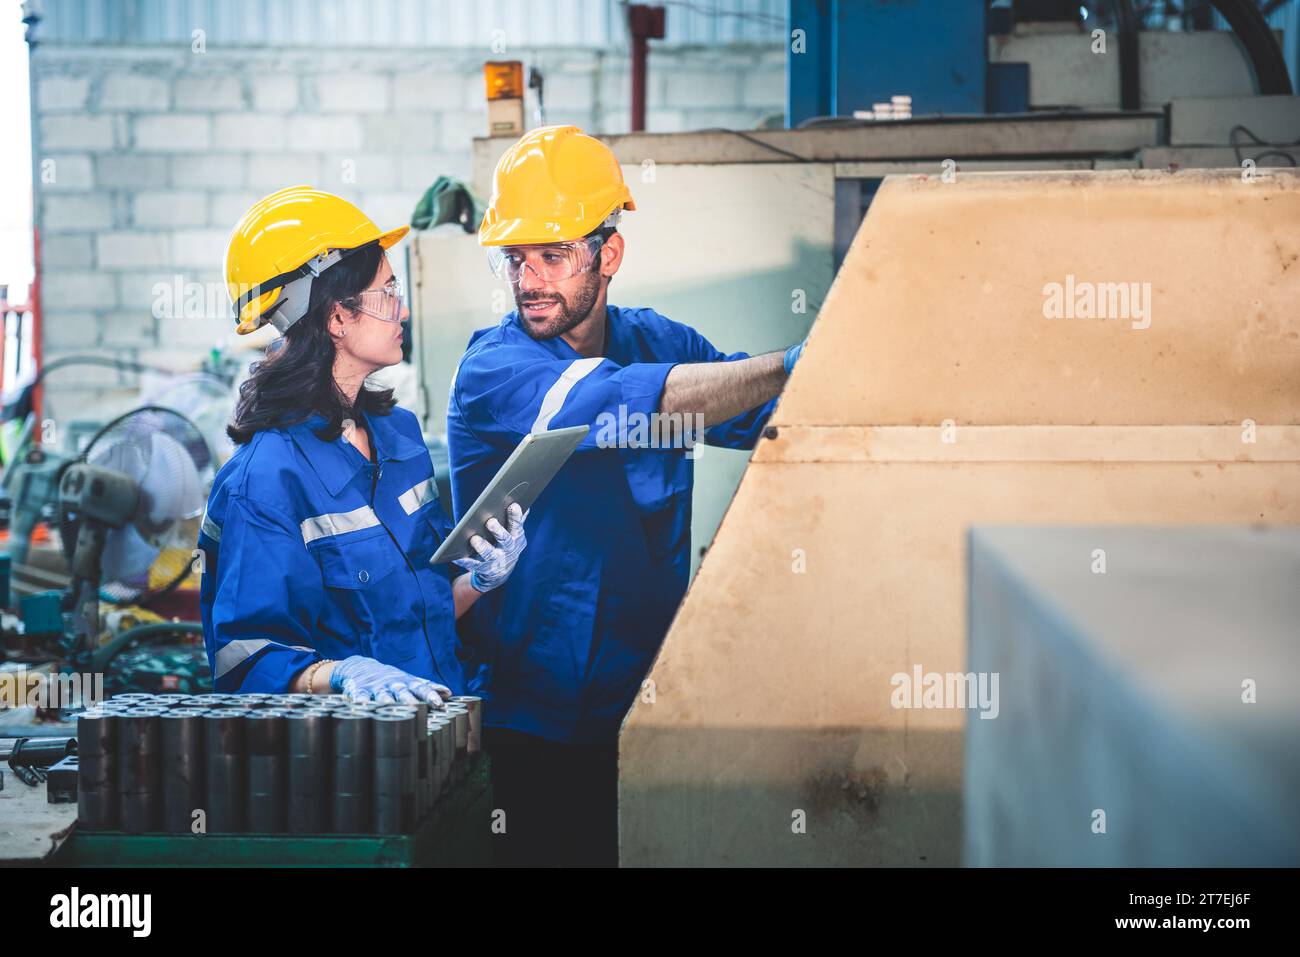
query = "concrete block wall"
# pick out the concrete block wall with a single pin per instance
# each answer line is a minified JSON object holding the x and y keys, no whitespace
{"x":146,"y":157}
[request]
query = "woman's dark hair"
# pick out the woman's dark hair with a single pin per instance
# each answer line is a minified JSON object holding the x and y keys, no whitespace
{"x":298,"y":378}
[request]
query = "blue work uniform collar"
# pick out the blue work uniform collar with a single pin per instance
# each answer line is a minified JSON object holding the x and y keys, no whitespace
{"x":337,"y":463}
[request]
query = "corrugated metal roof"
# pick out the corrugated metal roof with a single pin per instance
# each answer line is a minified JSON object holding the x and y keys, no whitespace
{"x":402,"y":23}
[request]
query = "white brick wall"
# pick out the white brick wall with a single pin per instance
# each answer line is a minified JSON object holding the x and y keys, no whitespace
{"x":157,"y":152}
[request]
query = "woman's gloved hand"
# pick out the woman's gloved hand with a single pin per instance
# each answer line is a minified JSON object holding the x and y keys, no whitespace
{"x":496,"y":562}
{"x":362,"y":678}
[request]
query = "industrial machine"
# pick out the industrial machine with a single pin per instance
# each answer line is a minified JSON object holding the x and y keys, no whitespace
{"x":951,"y":381}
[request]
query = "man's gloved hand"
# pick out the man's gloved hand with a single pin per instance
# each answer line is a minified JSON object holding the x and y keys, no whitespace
{"x":792,"y":356}
{"x":362,"y":678}
{"x":496,"y":562}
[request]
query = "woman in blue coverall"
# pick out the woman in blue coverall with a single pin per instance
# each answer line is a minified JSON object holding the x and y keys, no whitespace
{"x":318,"y":532}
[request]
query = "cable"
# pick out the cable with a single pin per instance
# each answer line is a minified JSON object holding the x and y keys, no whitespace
{"x":756,"y":141}
{"x":1236,"y":146}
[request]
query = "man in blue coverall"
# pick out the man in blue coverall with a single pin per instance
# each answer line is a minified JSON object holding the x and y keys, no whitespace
{"x":567,"y":642}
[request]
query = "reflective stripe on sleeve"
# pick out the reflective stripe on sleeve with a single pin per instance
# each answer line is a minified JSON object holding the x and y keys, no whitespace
{"x":234,"y":653}
{"x":210,"y":528}
{"x":553,"y":401}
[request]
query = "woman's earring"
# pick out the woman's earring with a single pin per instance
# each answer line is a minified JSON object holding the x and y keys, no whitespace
{"x":343,"y":333}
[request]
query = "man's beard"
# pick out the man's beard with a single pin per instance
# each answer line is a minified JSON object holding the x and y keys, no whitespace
{"x":568,"y":314}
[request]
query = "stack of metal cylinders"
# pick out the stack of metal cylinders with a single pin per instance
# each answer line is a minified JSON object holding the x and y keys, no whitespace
{"x":353,"y":751}
{"x":268,"y":776}
{"x":264,"y":763}
{"x":394,"y":770}
{"x":96,"y":784}
{"x":183,"y":776}
{"x":307,"y":739}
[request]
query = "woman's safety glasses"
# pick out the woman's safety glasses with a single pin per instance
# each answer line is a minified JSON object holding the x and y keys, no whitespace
{"x":551,"y":262}
{"x":384,"y":303}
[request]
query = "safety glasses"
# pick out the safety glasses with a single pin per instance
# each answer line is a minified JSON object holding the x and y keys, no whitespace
{"x":384,"y":303}
{"x":552,"y":262}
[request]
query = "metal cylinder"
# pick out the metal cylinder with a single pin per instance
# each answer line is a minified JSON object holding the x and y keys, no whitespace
{"x":461,"y":715}
{"x":138,"y":757}
{"x":394,"y":809}
{"x":97,"y":794}
{"x":435,"y":725}
{"x":308,"y":743}
{"x":446,"y":749}
{"x":131,"y":696}
{"x":183,"y":789}
{"x":174,"y":699}
{"x":226,"y":767}
{"x":268,"y":767}
{"x":353,"y":750}
{"x":474,"y":706}
{"x":420,"y":758}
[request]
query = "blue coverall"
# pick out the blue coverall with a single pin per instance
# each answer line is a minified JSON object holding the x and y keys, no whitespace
{"x":310,"y":551}
{"x":567,"y":641}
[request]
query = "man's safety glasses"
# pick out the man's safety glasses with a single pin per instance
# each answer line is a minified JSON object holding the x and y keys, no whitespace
{"x":551,"y":262}
{"x":384,"y":303}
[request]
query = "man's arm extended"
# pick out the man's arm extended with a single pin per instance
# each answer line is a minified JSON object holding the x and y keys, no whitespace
{"x":722,"y":390}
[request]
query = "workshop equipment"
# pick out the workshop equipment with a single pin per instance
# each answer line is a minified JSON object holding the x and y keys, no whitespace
{"x":942,"y":387}
{"x":61,"y":781}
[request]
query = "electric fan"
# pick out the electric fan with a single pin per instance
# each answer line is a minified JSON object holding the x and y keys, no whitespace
{"x":130,"y":509}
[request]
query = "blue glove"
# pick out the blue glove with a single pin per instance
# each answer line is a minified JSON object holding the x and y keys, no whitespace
{"x":792,"y":356}
{"x":362,"y":678}
{"x":495,"y":562}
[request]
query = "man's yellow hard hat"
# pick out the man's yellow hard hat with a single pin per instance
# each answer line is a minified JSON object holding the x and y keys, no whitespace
{"x":554,"y":185}
{"x":284,"y":241}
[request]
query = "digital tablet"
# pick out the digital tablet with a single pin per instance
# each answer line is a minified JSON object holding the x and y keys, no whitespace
{"x":521,"y":479}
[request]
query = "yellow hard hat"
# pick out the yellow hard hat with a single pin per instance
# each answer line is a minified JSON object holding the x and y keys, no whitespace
{"x":284,"y":241}
{"x":554,"y":185}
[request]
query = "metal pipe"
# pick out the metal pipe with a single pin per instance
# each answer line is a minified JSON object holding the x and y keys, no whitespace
{"x":267,"y":771}
{"x":139,"y":770}
{"x":226,"y":766}
{"x":309,"y":771}
{"x":474,"y":705}
{"x":353,"y":750}
{"x":97,"y":795}
{"x":394,"y":784}
{"x":183,"y":788}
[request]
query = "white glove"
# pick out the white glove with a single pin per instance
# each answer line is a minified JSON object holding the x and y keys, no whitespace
{"x":495,"y":562}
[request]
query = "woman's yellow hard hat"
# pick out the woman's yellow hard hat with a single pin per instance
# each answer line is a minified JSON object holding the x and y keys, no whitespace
{"x":284,"y":241}
{"x":554,"y":185}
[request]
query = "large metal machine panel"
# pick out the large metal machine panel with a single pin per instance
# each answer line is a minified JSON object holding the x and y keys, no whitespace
{"x":935,"y":394}
{"x":1145,"y":714}
{"x":741,"y":253}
